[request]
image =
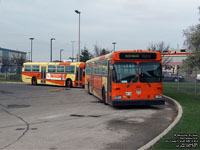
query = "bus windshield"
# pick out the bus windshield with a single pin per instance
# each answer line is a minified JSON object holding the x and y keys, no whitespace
{"x":150,"y":72}
{"x":125,"y":72}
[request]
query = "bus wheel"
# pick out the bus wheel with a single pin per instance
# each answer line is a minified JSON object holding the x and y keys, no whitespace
{"x":34,"y":81}
{"x":104,"y":96}
{"x":69,"y":83}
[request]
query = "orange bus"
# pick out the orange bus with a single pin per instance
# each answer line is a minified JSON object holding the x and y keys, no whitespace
{"x":62,"y":74}
{"x":126,"y":78}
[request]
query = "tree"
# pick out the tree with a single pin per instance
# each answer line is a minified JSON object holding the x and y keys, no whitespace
{"x":104,"y":51}
{"x":163,"y":49}
{"x":85,"y":55}
{"x":100,"y":51}
{"x":18,"y":60}
{"x":6,"y":62}
{"x":192,"y":41}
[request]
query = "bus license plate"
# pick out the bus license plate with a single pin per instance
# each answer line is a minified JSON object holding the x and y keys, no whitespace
{"x":128,"y":93}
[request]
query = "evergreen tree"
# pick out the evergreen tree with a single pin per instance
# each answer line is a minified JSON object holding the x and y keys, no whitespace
{"x":85,"y":55}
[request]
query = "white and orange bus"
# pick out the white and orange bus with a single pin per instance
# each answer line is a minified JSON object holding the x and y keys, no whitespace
{"x":59,"y":73}
{"x":126,"y":78}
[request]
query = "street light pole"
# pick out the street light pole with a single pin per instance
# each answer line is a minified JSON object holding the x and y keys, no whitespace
{"x":79,"y":14}
{"x":72,"y":50}
{"x":60,"y":53}
{"x":51,"y":48}
{"x":29,"y":56}
{"x":31,"y":47}
{"x":114,"y":46}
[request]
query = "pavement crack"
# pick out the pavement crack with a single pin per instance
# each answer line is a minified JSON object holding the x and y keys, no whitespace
{"x":20,"y":118}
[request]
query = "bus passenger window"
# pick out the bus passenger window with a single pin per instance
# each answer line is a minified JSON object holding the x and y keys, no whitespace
{"x":35,"y":68}
{"x":27,"y":68}
{"x":69,"y":69}
{"x":51,"y":68}
{"x":60,"y":69}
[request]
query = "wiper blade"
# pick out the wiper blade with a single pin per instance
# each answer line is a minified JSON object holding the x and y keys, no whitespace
{"x":130,"y":83}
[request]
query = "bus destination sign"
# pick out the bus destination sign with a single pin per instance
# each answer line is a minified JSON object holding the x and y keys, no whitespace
{"x":137,"y":55}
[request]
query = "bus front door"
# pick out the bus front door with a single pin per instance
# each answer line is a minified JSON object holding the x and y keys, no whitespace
{"x":43,"y":74}
{"x":109,"y":82}
{"x":79,"y":76}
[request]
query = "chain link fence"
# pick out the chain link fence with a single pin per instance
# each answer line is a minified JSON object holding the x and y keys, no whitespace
{"x":10,"y":73}
{"x":191,"y":86}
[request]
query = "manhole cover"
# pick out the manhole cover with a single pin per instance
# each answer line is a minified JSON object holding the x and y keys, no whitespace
{"x":17,"y":106}
{"x":95,"y":116}
{"x":20,"y":129}
{"x":5,"y":92}
{"x":24,"y":129}
{"x":77,"y":115}
{"x":134,"y":120}
{"x":33,"y":128}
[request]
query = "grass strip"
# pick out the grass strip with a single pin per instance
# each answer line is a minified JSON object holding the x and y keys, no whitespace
{"x":183,"y":135}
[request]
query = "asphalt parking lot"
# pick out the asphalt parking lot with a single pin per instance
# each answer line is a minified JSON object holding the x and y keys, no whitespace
{"x":49,"y":117}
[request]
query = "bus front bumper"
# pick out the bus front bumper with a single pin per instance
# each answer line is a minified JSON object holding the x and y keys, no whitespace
{"x":138,"y":102}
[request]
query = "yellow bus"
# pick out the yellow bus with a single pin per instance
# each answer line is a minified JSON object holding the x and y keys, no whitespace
{"x":59,"y":73}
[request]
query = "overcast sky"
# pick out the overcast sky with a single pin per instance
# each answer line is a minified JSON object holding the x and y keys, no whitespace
{"x":132,"y":24}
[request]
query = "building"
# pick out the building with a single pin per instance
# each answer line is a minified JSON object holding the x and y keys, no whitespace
{"x":10,"y":54}
{"x":175,"y":58}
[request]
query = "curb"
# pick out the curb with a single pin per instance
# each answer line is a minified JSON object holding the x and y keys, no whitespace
{"x":12,"y":82}
{"x":157,"y":138}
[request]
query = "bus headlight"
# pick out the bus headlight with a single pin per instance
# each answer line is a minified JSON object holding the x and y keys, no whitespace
{"x":117,"y":97}
{"x":158,"y":96}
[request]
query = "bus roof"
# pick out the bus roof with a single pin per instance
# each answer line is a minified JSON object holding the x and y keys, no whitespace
{"x":115,"y":55}
{"x":55,"y":63}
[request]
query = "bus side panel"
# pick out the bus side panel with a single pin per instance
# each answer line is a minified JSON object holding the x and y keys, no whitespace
{"x":104,"y":85}
{"x":87,"y":78}
{"x":27,"y":76}
{"x":97,"y":86}
{"x":72,"y":77}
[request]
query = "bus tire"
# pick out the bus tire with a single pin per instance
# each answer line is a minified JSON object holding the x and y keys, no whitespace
{"x":104,"y":96}
{"x":69,"y":83}
{"x":34,"y":81}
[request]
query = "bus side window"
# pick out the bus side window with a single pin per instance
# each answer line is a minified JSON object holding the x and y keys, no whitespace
{"x":27,"y":68}
{"x":35,"y":68}
{"x":60,"y":69}
{"x":69,"y":69}
{"x":51,"y":68}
